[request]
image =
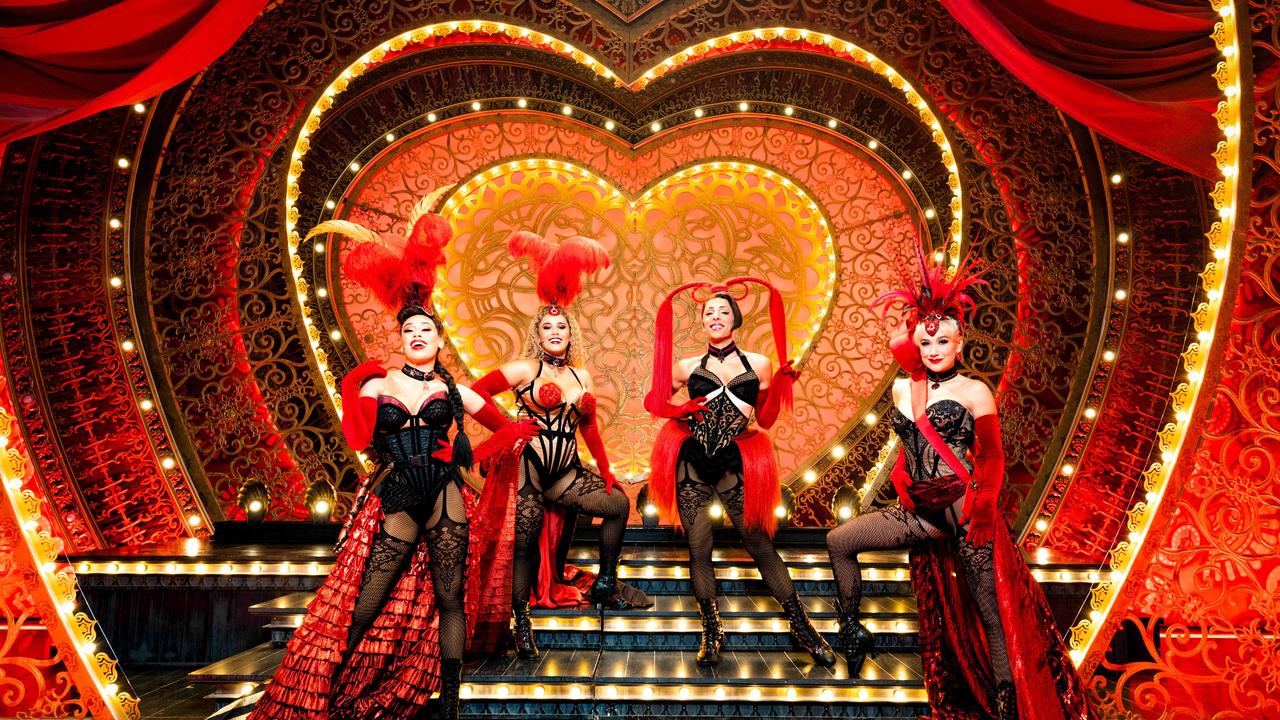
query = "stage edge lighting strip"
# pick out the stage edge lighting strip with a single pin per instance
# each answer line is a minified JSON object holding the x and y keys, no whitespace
{"x":478,"y":31}
{"x":52,"y":587}
{"x":1085,"y":634}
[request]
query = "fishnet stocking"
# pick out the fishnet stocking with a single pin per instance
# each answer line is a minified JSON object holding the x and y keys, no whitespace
{"x":693,"y":496}
{"x":447,"y":548}
{"x":894,"y":527}
{"x":388,"y":556}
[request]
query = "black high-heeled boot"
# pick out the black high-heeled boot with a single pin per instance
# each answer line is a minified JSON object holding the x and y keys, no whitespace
{"x":806,"y":634}
{"x":605,"y":589}
{"x":525,"y":646}
{"x":855,"y":640}
{"x":1006,"y":701}
{"x":450,"y":686}
{"x":712,"y":633}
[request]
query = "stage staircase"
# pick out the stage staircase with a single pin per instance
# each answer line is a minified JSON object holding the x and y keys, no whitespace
{"x":644,"y":664}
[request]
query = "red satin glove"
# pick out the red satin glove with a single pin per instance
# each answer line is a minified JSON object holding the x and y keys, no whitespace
{"x":770,"y":404}
{"x":590,"y":430}
{"x":359,"y":414}
{"x":981,"y":500}
{"x":902,"y":481}
{"x":512,"y":436}
{"x":495,"y":383}
{"x":694,"y":407}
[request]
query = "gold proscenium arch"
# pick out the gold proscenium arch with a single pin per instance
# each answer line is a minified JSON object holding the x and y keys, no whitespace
{"x":486,"y":31}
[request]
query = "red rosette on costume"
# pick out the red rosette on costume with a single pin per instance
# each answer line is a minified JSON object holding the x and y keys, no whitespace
{"x":759,"y":462}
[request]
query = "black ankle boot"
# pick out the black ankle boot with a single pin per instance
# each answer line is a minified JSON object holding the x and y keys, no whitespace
{"x":605,"y":589}
{"x":712,"y":633}
{"x":855,"y":640}
{"x":450,"y":685}
{"x":1006,"y":701}
{"x":525,"y":646}
{"x":805,"y":634}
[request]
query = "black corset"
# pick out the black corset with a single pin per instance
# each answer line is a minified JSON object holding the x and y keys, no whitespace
{"x":405,"y":442}
{"x":954,"y":424}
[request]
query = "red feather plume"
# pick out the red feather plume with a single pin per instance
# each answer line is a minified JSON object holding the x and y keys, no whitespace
{"x":559,"y":268}
{"x":938,"y":293}
{"x":396,"y":279}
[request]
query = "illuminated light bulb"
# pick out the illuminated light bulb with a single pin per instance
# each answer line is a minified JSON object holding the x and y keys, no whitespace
{"x":1068,"y":469}
{"x":837,"y":452}
{"x":14,"y":483}
{"x":575,"y":691}
{"x":1042,"y":555}
{"x":335,"y":334}
{"x":699,"y":112}
{"x":1090,"y":413}
{"x":1231,"y":131}
{"x":330,"y":204}
{"x":780,"y":512}
{"x":1226,"y":212}
{"x":30,"y":525}
{"x":522,"y":103}
{"x":1116,"y":178}
{"x":1135,"y":536}
{"x":612,"y":691}
{"x":1228,"y":170}
{"x":906,"y":174}
{"x":1214,"y":294}
{"x":114,"y":223}
{"x":716,"y":510}
{"x":88,"y":648}
{"x":788,"y":111}
{"x":321,"y":506}
{"x":827,"y":694}
{"x":930,"y":214}
{"x":1225,"y":10}
{"x":539,"y":691}
{"x":193,"y":520}
{"x":754,"y":694}
{"x":111,"y":568}
{"x":566,"y":110}
{"x":1194,"y":376}
{"x":1166,"y":456}
{"x":655,"y":127}
{"x":146,"y":404}
{"x":720,"y":693}
{"x":255,"y":506}
{"x":139,"y":108}
{"x":127,"y":346}
{"x":322,"y":293}
{"x":476,"y":105}
{"x":833,"y":123}
{"x":873,"y":144}
{"x":122,"y":163}
{"x":256,"y":567}
{"x":863,"y":694}
{"x":354,"y":166}
{"x":810,"y":476}
{"x":609,"y":125}
{"x":743,"y":107}
{"x":1042,"y":525}
{"x":937,"y":256}
{"x":1229,"y":51}
{"x":391,"y":137}
{"x":1231,"y":90}
{"x":1117,"y":575}
{"x":1150,"y":497}
{"x":431,"y":117}
{"x":1122,"y":238}
{"x":684,"y":692}
{"x":318,"y":247}
{"x":111,"y":688}
{"x":846,"y":512}
{"x":870,"y":419}
{"x":1109,"y":355}
{"x":117,"y":281}
{"x":503,"y":691}
{"x":168,"y":463}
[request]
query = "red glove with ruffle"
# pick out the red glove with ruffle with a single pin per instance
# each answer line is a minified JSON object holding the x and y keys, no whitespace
{"x":770,"y":404}
{"x":359,"y":414}
{"x":591,"y":436}
{"x":981,"y":500}
{"x":505,"y":433}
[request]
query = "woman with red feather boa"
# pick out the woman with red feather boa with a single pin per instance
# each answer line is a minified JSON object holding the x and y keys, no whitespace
{"x":390,"y":623}
{"x":989,"y":644}
{"x":707,"y":448}
{"x":552,"y":388}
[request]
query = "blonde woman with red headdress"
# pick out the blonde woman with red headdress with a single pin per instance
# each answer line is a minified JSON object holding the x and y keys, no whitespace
{"x":988,"y":641}
{"x":390,"y":623}
{"x":552,"y":388}
{"x":708,"y":448}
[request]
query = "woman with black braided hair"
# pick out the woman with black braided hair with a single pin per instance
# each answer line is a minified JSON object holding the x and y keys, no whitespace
{"x":390,"y":623}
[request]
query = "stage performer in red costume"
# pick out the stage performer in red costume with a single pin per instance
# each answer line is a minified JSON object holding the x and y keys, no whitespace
{"x":553,"y":388}
{"x":708,"y":448}
{"x":989,"y":644}
{"x":391,"y":621}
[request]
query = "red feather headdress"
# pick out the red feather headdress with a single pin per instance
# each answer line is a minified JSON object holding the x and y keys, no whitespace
{"x":660,"y":393}
{"x":559,"y":268}
{"x":401,"y":279}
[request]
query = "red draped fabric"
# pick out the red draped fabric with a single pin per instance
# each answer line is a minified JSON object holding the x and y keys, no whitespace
{"x":1136,"y":71}
{"x":65,"y":60}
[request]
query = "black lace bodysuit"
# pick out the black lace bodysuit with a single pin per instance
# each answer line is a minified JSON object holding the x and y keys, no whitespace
{"x":555,"y":449}
{"x":933,"y":481}
{"x":711,"y":449}
{"x":404,"y":441}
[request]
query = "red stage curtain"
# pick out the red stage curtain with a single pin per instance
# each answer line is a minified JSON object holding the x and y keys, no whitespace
{"x":1136,"y":71}
{"x":62,"y":60}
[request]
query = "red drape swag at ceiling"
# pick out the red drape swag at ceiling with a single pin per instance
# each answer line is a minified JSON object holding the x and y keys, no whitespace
{"x":64,"y":60}
{"x":1136,"y":71}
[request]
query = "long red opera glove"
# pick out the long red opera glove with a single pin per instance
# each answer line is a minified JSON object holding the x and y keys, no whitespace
{"x":902,"y":481}
{"x":359,"y":414}
{"x":591,"y":436}
{"x":495,"y":383}
{"x":981,"y":506}
{"x":771,"y":402}
{"x":693,"y":407}
{"x":505,"y":433}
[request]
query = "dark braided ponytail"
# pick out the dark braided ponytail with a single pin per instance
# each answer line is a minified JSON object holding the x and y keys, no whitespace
{"x":462,"y":456}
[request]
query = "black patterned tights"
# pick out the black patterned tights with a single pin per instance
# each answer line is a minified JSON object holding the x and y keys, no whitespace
{"x":894,"y":527}
{"x":577,"y":488}
{"x":693,"y":496}
{"x":446,"y":531}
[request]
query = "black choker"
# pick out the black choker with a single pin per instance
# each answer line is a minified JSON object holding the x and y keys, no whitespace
{"x":937,"y":379}
{"x":550,"y":359}
{"x":417,"y":374}
{"x":722,"y":353}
